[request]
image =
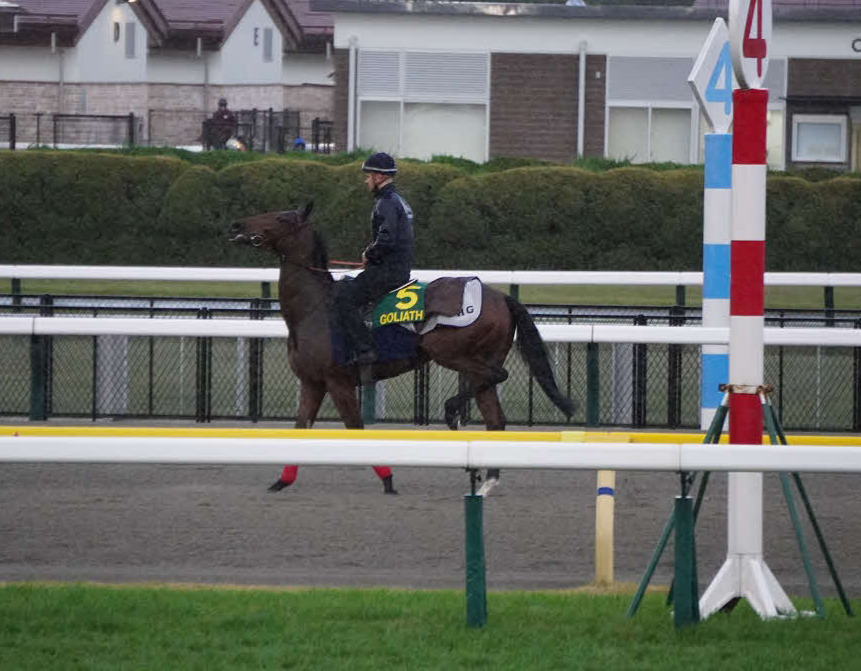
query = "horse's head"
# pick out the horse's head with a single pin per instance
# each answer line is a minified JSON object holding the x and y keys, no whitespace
{"x":280,"y":232}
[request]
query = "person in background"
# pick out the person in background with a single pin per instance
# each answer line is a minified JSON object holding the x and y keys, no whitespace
{"x":223,"y":125}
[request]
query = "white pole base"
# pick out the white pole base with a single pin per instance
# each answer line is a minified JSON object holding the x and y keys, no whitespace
{"x":748,"y":577}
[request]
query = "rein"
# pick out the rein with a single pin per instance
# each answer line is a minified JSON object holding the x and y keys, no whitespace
{"x":354,"y":264}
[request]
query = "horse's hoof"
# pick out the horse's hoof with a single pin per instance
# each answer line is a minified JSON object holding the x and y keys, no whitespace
{"x":388,"y":485}
{"x":450,"y":416}
{"x":277,"y":486}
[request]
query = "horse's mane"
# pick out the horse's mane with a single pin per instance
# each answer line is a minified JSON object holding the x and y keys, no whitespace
{"x":319,"y":255}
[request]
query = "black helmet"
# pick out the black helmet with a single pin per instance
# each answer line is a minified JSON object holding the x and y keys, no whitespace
{"x":381,"y":162}
{"x":222,"y":102}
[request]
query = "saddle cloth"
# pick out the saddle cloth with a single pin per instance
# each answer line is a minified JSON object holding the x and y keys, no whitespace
{"x":417,"y":307}
{"x":447,"y":301}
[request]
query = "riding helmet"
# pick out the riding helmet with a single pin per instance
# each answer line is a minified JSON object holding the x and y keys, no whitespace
{"x":380,"y":162}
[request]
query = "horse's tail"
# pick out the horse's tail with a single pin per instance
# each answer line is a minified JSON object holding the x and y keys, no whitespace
{"x":534,"y":352}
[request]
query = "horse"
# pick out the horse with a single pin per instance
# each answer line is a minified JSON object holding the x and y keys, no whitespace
{"x":477,"y":352}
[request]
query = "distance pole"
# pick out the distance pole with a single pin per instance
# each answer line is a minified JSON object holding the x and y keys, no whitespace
{"x":744,"y":573}
{"x":717,"y":208}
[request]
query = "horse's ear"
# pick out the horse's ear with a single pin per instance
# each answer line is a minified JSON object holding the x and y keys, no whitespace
{"x":306,"y":211}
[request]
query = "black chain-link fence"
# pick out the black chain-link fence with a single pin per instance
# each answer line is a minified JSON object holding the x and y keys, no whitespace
{"x":617,"y":385}
{"x":94,"y":130}
{"x":268,"y":131}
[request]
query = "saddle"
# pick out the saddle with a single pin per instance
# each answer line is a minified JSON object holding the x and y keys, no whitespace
{"x":417,"y":307}
{"x":413,"y":309}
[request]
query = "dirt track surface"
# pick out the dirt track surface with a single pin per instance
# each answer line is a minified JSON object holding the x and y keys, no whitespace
{"x":335,"y":527}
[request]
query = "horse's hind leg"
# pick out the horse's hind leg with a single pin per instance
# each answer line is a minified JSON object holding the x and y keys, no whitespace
{"x":478,"y":381}
{"x":310,"y":398}
{"x":488,"y":404}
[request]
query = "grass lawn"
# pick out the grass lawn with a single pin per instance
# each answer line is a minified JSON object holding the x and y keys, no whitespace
{"x":848,"y":298}
{"x":99,"y":627}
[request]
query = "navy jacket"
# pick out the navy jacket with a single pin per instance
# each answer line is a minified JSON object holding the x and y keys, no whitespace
{"x":392,"y":228}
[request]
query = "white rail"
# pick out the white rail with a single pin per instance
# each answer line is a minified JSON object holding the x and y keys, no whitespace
{"x":520,"y":277}
{"x":435,"y":453}
{"x":272,"y":328}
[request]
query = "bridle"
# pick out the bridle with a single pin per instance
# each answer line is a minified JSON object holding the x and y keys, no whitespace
{"x":258,"y":240}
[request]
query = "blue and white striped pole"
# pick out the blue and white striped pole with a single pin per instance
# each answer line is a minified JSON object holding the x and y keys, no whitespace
{"x":712,"y":81}
{"x":717,"y":213}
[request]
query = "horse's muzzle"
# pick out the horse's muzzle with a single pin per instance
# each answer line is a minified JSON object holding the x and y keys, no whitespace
{"x":237,"y":235}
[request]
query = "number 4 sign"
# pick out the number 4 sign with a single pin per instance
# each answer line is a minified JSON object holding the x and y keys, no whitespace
{"x":712,"y":78}
{"x":750,"y":39}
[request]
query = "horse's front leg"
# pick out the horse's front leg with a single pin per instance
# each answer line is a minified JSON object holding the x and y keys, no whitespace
{"x":310,"y":398}
{"x":347,"y":404}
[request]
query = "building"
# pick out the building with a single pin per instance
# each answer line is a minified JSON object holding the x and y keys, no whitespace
{"x":165,"y":61}
{"x":483,"y":80}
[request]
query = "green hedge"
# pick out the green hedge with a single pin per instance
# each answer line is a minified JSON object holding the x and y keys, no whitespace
{"x":92,"y":208}
{"x":70,"y":208}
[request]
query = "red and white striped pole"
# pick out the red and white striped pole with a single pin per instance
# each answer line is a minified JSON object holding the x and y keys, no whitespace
{"x":745,"y":573}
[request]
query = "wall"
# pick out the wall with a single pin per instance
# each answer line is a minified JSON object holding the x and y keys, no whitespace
{"x":301,"y":69}
{"x":533,"y":106}
{"x":557,"y":35}
{"x":240,"y":60}
{"x":98,"y":57}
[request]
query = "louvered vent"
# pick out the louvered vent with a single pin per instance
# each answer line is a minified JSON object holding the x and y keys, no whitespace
{"x":446,"y":77}
{"x":379,"y":73}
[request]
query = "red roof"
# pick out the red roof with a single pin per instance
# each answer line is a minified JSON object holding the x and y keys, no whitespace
{"x":175,"y":18}
{"x":72,"y":8}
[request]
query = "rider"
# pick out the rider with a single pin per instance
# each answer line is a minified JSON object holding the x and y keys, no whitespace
{"x":388,"y":259}
{"x":223,"y":125}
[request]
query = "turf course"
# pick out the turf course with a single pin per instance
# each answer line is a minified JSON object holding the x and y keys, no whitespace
{"x":775,"y":297}
{"x":101,"y":627}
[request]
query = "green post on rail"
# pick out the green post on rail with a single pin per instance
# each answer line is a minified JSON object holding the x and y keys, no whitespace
{"x":38,"y":379}
{"x":593,"y":385}
{"x":686,"y":608}
{"x":476,"y":587}
{"x":369,"y":403}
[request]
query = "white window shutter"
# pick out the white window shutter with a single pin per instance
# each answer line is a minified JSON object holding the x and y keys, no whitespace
{"x":446,"y":77}
{"x":379,"y":73}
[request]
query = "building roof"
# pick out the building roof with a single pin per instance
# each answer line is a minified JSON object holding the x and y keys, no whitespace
{"x":783,"y":4}
{"x":169,"y":23}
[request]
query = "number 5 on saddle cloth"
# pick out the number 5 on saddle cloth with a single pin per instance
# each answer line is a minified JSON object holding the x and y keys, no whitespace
{"x":411,"y":310}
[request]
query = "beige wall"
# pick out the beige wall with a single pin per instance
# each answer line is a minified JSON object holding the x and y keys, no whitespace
{"x":171,"y":113}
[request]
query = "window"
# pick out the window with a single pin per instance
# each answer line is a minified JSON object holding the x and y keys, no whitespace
{"x":649,"y":134}
{"x":267,"y":45}
{"x":130,"y":40}
{"x":421,"y":103}
{"x":819,"y":138}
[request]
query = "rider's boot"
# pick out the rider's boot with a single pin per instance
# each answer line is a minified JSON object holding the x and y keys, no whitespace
{"x":388,"y":486}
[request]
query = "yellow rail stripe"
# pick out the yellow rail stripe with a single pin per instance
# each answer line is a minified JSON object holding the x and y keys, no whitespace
{"x":402,"y":434}
{"x":367,"y":434}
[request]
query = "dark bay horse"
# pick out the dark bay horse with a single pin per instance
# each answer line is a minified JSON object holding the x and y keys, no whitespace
{"x":477,"y":351}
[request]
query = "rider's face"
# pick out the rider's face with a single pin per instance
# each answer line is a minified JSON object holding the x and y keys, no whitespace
{"x":372,"y":180}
